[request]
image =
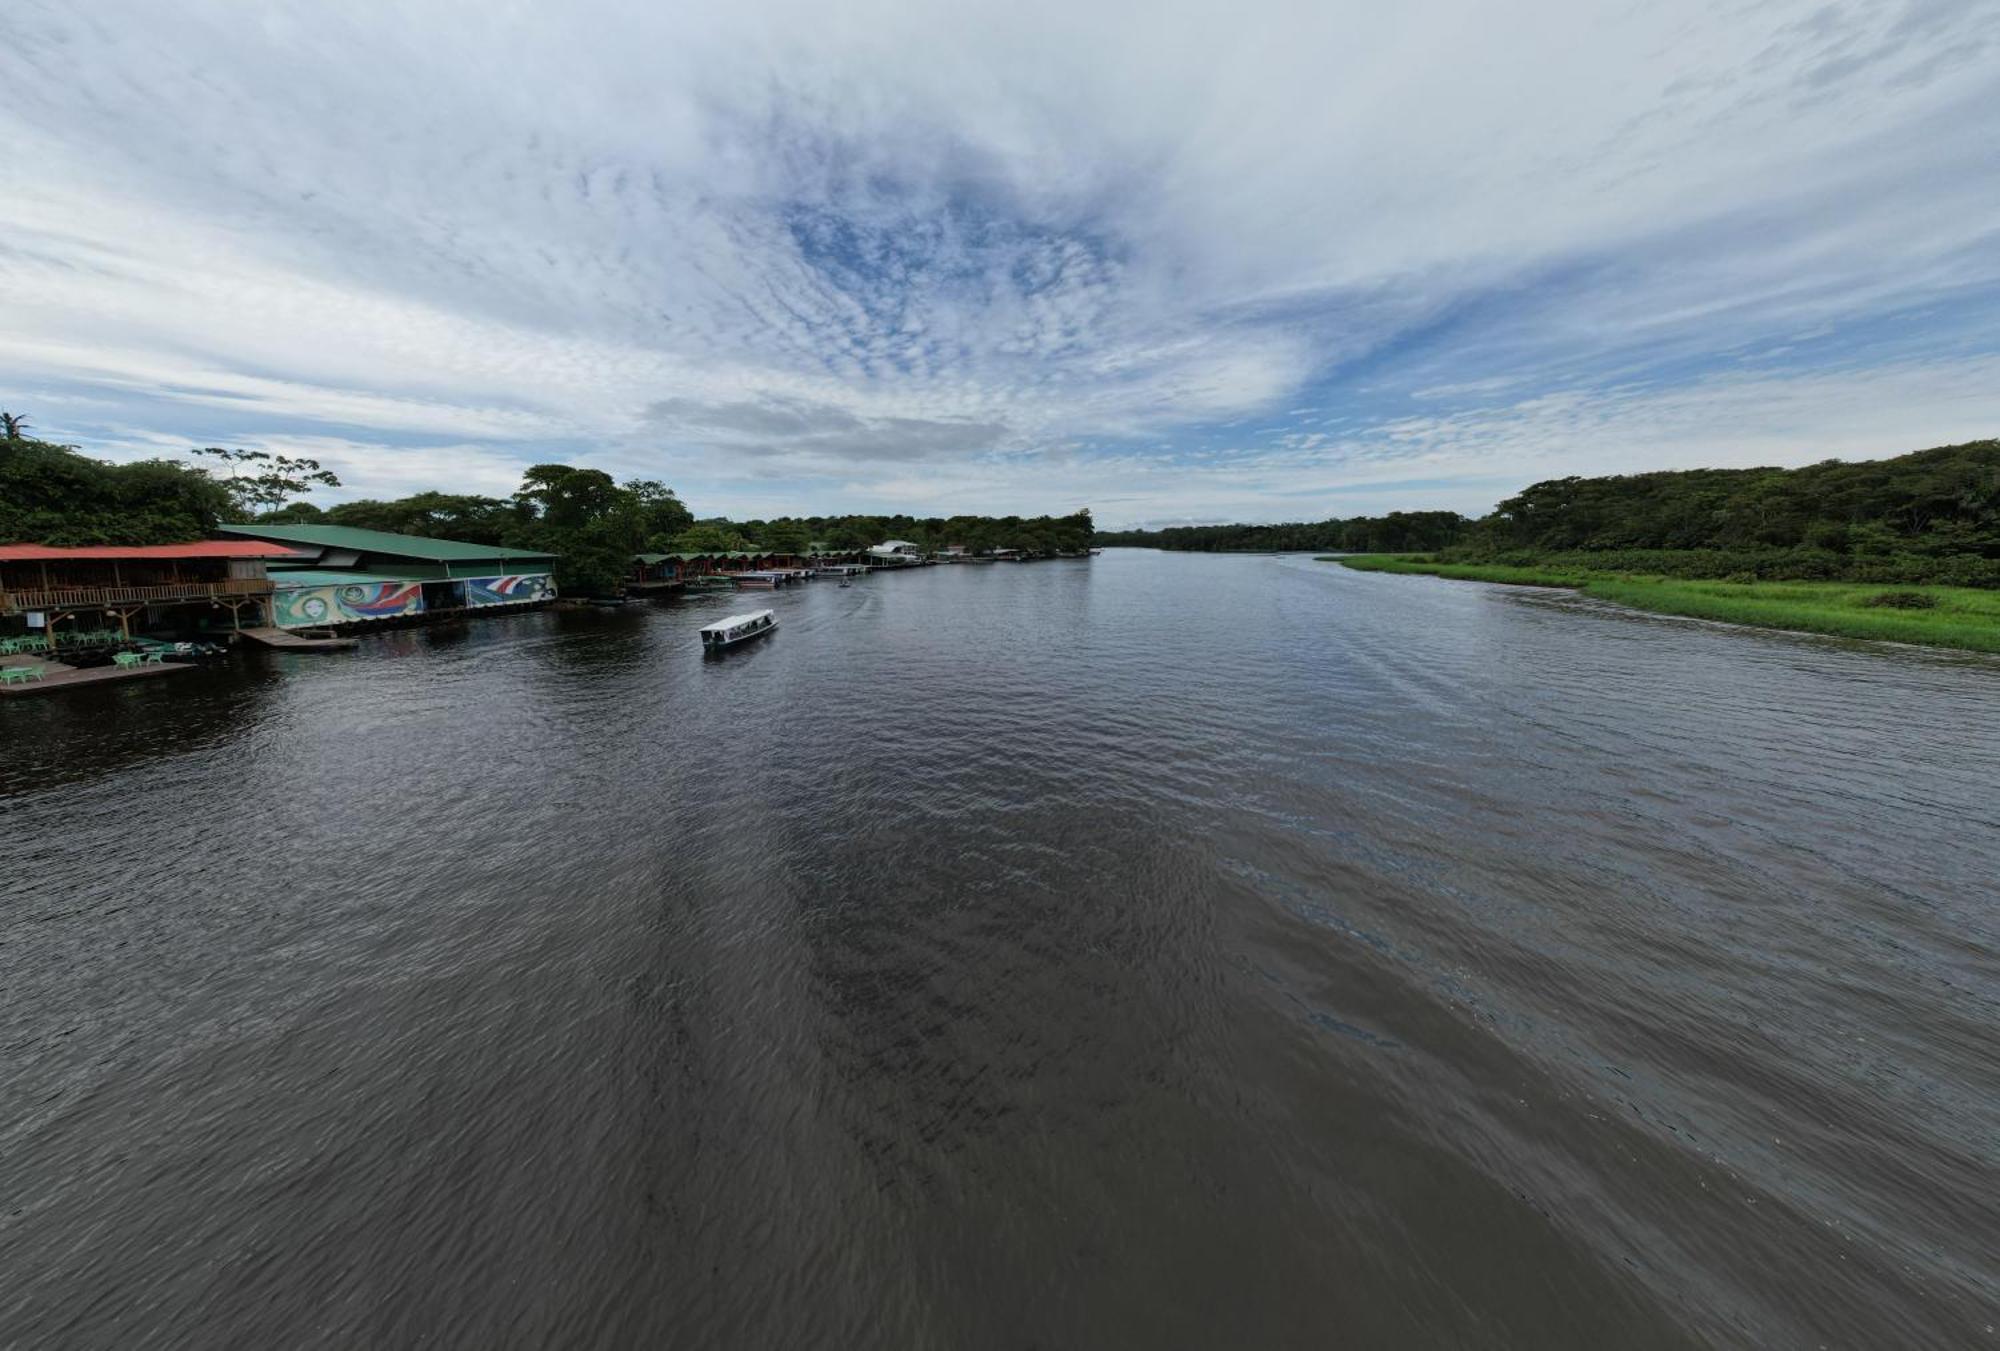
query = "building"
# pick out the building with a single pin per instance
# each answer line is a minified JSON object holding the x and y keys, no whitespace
{"x":895,"y":553}
{"x":659,"y":572}
{"x":137,"y":588}
{"x":346,"y":575}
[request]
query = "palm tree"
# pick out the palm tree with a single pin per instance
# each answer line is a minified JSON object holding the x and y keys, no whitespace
{"x":12,"y":425}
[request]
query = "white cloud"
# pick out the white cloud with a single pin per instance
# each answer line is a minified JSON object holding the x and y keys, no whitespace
{"x":925,"y":252}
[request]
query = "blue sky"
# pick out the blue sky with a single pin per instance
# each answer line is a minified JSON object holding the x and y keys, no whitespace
{"x":1266,"y":261}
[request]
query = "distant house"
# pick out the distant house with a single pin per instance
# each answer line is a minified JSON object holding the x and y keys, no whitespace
{"x":655,"y":570}
{"x":352,"y":576}
{"x":135,"y":587}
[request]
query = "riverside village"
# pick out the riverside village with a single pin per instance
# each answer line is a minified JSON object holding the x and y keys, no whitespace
{"x":96,"y":613}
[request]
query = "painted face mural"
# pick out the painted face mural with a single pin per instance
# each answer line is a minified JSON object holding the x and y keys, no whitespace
{"x":347,"y":604}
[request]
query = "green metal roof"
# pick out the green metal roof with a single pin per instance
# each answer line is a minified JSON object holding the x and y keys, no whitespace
{"x":379,"y":542}
{"x":292,"y":577}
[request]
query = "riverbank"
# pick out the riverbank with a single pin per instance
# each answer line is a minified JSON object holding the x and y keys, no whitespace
{"x":1933,"y":616}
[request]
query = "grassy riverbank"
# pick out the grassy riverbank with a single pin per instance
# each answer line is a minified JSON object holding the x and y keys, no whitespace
{"x":1936,"y":616}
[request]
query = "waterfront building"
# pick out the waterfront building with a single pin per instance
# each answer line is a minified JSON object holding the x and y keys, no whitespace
{"x":667,"y":572}
{"x":116,"y":591}
{"x":350,"y":576}
{"x":895,"y":553}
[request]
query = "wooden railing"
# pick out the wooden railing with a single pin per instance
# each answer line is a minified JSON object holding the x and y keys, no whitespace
{"x":96,"y":597}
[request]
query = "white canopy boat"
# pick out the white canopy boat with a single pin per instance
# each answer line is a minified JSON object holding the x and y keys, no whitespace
{"x":737,"y":629}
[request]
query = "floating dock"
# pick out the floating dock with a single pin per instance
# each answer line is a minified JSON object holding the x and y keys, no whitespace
{"x":287,"y":641}
{"x":57,"y":676}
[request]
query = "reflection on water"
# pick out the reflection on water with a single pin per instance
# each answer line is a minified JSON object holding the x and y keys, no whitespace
{"x":1154,"y":951}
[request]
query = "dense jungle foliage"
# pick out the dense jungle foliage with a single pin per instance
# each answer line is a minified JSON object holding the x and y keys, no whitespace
{"x":1932,"y":516}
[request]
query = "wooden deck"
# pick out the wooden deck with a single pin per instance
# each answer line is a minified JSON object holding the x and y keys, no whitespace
{"x":287,"y":641}
{"x":61,"y":677}
{"x":97,"y":597}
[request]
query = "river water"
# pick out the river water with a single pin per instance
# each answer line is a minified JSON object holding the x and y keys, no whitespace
{"x":1154,"y":951}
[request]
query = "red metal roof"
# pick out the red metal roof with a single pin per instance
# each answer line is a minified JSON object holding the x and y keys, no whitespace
{"x":201,"y":548}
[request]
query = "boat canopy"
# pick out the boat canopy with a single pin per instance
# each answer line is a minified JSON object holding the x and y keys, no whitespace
{"x":736,"y":621}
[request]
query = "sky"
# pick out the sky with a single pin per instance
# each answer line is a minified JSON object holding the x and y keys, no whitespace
{"x":1264,"y":261}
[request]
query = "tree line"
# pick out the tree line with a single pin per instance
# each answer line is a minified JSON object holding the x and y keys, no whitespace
{"x":1932,"y":515}
{"x":1397,"y":532}
{"x":1929,"y":503}
{"x":54,"y":494}
{"x":596,"y":525}
{"x":1928,"y":516}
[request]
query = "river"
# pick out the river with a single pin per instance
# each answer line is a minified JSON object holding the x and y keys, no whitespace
{"x":1154,"y":951}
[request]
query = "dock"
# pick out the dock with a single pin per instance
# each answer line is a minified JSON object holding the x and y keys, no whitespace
{"x":288,"y":641}
{"x":57,"y":676}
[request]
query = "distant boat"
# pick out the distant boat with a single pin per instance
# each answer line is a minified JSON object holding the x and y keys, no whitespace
{"x":737,"y":629}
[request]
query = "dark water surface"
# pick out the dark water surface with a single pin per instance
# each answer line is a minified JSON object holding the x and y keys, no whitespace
{"x":1159,"y":951}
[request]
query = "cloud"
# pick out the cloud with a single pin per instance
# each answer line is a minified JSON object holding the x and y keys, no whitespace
{"x":966,"y":256}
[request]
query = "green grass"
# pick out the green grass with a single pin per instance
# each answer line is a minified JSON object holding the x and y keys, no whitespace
{"x":1962,"y":618}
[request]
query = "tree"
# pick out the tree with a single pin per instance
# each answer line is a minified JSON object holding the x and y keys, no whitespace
{"x":13,"y":427}
{"x":785,"y":537}
{"x":300,"y":512}
{"x":564,"y":497}
{"x":261,"y":481}
{"x":459,"y":516}
{"x":709,"y":538}
{"x":51,"y":494}
{"x":591,"y":563}
{"x":594,"y":525}
{"x":663,"y":513}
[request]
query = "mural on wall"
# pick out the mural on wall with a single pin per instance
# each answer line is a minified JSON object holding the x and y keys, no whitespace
{"x":349,"y":604}
{"x":509,"y":590}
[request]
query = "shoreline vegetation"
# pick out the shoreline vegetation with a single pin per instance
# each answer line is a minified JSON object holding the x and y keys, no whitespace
{"x":56,"y":495}
{"x":1905,"y":549}
{"x":1963,"y":618}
